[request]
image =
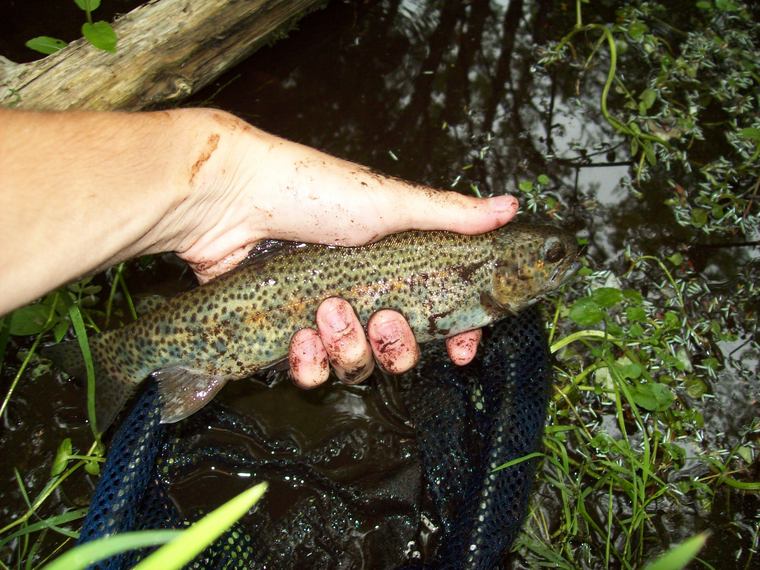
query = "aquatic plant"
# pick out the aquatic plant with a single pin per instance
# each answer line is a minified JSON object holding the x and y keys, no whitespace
{"x":684,"y":92}
{"x":100,"y":33}
{"x":640,"y":349}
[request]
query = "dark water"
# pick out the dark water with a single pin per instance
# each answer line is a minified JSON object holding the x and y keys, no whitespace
{"x":447,"y":94}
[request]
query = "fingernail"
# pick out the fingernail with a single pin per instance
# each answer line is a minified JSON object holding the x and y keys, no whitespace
{"x":336,"y":319}
{"x":386,"y":326}
{"x":504,"y":204}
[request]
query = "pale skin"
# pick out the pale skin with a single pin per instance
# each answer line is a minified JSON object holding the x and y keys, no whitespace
{"x":80,"y":192}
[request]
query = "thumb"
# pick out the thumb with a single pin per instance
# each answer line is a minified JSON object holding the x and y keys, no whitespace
{"x":428,"y":209}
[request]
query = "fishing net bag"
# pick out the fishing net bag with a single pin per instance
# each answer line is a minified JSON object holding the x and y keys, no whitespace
{"x":400,"y":472}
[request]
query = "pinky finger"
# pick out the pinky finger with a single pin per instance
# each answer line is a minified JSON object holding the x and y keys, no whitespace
{"x":463,"y":347}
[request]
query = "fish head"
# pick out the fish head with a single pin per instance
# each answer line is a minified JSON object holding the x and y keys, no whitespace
{"x":531,"y":260}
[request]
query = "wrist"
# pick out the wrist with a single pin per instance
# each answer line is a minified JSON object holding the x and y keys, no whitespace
{"x":197,"y":168}
{"x":218,"y":203}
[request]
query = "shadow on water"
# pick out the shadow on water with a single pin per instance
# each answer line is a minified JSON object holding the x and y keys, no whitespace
{"x":447,"y":94}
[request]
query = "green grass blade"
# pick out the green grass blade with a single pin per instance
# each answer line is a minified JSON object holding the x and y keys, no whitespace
{"x":197,"y":537}
{"x":83,"y":555}
{"x":679,"y":556}
{"x":518,"y":460}
{"x":84,"y":345}
{"x":50,"y":522}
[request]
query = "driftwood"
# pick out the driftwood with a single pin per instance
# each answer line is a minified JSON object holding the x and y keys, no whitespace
{"x":167,"y":50}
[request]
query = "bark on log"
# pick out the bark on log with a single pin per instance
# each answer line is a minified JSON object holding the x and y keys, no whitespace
{"x":167,"y":49}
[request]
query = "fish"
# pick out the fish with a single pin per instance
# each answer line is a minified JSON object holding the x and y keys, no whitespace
{"x":241,"y":322}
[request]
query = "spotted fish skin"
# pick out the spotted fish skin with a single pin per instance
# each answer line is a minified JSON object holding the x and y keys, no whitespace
{"x":241,"y":322}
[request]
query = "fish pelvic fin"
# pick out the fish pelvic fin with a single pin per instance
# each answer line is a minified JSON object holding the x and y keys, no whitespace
{"x":184,"y":391}
{"x":114,"y":384}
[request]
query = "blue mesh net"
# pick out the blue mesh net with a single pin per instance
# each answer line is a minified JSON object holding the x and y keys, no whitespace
{"x":413,"y":485}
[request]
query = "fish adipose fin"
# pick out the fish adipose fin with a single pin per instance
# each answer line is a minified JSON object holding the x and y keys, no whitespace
{"x":113,"y":385}
{"x":184,"y":391}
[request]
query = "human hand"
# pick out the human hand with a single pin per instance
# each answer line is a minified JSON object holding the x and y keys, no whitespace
{"x":247,"y":185}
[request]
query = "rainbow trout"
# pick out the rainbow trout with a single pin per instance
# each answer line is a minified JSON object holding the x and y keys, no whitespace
{"x":242,"y":322}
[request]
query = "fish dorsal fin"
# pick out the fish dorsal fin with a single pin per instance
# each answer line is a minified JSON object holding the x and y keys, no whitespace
{"x":184,"y":391}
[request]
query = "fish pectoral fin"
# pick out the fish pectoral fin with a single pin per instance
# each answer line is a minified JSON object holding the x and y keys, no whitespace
{"x":184,"y":391}
{"x":279,"y":365}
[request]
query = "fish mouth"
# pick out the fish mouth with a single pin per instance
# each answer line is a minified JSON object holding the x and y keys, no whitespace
{"x":560,"y":275}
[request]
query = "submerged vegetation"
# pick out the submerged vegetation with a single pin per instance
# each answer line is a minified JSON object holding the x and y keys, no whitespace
{"x":633,"y":461}
{"x":653,"y":428}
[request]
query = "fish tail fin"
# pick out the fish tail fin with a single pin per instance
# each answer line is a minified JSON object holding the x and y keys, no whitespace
{"x":113,"y":383}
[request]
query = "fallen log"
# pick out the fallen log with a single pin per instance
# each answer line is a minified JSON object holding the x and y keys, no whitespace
{"x":167,"y":50}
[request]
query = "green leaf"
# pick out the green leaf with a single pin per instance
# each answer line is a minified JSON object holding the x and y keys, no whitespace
{"x":202,"y":533}
{"x":65,"y":449}
{"x":648,"y":149}
{"x":88,"y":5}
{"x":679,"y":556}
{"x":711,"y":362}
{"x":653,"y":396}
{"x":60,"y":330}
{"x":633,"y":296}
{"x":695,"y":387}
{"x":586,"y":312}
{"x":101,"y":35}
{"x":745,"y":452}
{"x":543,"y":180}
{"x":636,"y":330}
{"x":88,"y":553}
{"x":628,"y":369}
{"x":526,"y":185}
{"x":704,"y":5}
{"x":637,"y":30}
{"x":635,"y":314}
{"x":683,"y":362}
{"x":614,"y":329}
{"x":29,"y":320}
{"x":676,"y":259}
{"x":751,"y":134}
{"x":92,"y":467}
{"x":699,"y":217}
{"x":45,"y":44}
{"x":607,"y":296}
{"x":676,"y":452}
{"x":726,"y":5}
{"x":671,"y":320}
{"x":646,"y":100}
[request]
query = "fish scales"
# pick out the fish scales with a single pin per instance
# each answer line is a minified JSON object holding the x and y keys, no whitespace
{"x":242,"y":322}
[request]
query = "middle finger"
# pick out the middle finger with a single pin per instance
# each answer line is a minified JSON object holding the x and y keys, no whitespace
{"x":343,"y":338}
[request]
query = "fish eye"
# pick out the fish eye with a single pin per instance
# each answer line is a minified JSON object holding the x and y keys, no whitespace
{"x":554,"y":250}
